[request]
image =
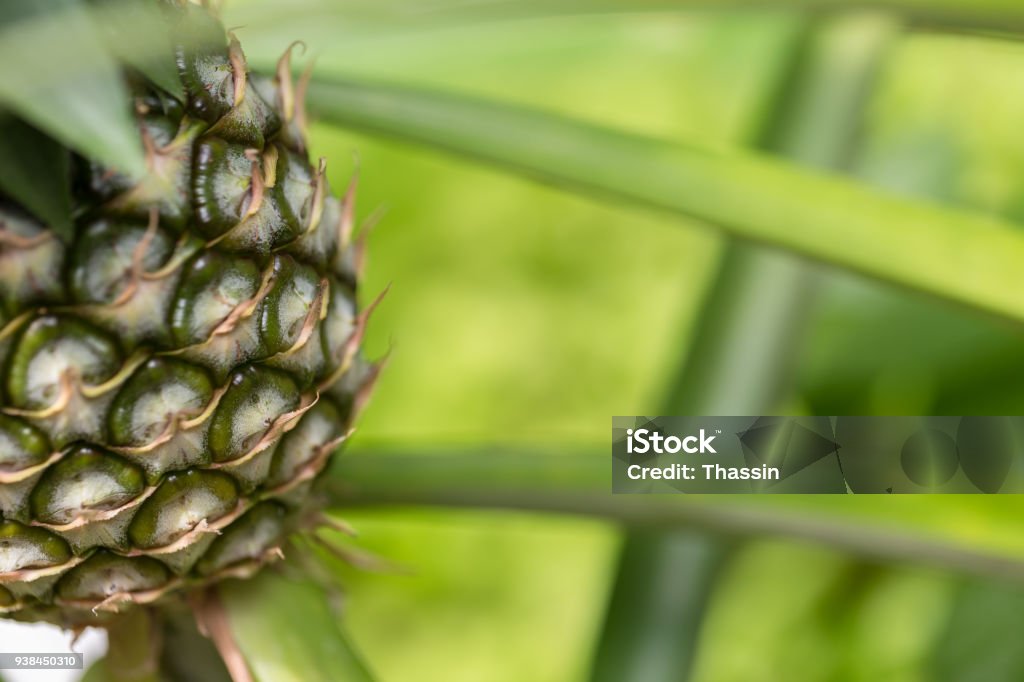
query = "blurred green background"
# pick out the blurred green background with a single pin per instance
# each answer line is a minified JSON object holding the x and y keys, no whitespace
{"x":520,"y":314}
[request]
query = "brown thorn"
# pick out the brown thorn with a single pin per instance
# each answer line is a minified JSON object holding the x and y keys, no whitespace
{"x":76,"y":634}
{"x":311,"y":567}
{"x":301,"y":120}
{"x":351,"y":345}
{"x":148,"y":147}
{"x":285,"y":87}
{"x":111,"y":603}
{"x":270,"y":157}
{"x":346,"y":221}
{"x":212,"y":620}
{"x":365,"y":390}
{"x":319,"y":196}
{"x":257,"y":185}
{"x":316,"y":311}
{"x":364,"y":234}
{"x":238,"y":67}
{"x":68,"y":382}
{"x":361,"y":559}
{"x":138,"y":256}
{"x":322,"y":519}
{"x":18,"y":242}
{"x":245,"y":309}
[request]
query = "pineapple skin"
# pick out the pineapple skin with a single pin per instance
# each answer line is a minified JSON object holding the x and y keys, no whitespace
{"x":176,"y":377}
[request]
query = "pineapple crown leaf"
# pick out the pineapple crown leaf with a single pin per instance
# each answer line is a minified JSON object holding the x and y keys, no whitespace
{"x":72,"y":88}
{"x":36,"y":174}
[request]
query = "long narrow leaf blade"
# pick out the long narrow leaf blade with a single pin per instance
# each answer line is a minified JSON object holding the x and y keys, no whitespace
{"x":959,"y":256}
{"x":287,"y":632}
{"x":982,"y":637}
{"x":986,"y":15}
{"x":36,"y":173}
{"x":976,"y":534}
{"x":57,"y":74}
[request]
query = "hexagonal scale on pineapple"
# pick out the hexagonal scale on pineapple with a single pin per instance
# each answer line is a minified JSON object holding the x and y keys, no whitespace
{"x":168,"y":140}
{"x":221,"y":185}
{"x":182,"y":503}
{"x":85,"y":481}
{"x":247,"y":539}
{"x":340,"y":323}
{"x":25,"y":547}
{"x":237,"y":207}
{"x":214,"y":316}
{"x":6,"y":598}
{"x":157,"y":418}
{"x":214,"y":286}
{"x":256,"y":398}
{"x":125,"y":278}
{"x":297,"y":182}
{"x":104,"y":257}
{"x":21,"y":446}
{"x":319,"y":244}
{"x":320,"y":427}
{"x":31,"y":261}
{"x":53,"y":361}
{"x":104,"y":575}
{"x":290,"y":316}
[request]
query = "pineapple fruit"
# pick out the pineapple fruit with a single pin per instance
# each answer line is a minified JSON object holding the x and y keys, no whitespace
{"x":177,"y":373}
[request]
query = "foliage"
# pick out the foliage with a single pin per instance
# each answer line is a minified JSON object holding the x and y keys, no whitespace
{"x":931,"y":208}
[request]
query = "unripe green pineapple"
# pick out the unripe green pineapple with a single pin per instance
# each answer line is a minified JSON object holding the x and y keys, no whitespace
{"x":177,"y":374}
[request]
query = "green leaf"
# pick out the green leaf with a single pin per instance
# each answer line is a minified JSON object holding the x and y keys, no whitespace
{"x":987,"y":15}
{"x":179,"y":633}
{"x":98,"y":672}
{"x":744,"y":346}
{"x":976,"y":534}
{"x":956,"y":255}
{"x":56,"y":73}
{"x":662,"y":590}
{"x":138,"y":34}
{"x":36,"y":174}
{"x":288,"y":632}
{"x":981,"y":641}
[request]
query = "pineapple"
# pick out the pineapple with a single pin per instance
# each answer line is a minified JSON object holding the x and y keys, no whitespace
{"x":179,"y":371}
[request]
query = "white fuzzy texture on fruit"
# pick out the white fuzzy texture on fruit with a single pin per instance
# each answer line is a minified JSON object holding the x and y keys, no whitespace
{"x":12,"y":456}
{"x":254,"y":417}
{"x":155,"y":409}
{"x":214,"y":304}
{"x":47,"y":367}
{"x":16,"y":555}
{"x":340,"y":322}
{"x":186,"y":512}
{"x":295,"y":305}
{"x":95,"y":490}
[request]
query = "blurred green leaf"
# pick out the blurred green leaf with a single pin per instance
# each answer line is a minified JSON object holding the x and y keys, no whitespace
{"x":981,"y":641}
{"x":995,"y":15}
{"x":97,"y":672}
{"x":664,"y":584}
{"x":36,"y":174}
{"x":288,"y":632}
{"x":56,"y":73}
{"x":178,"y":632}
{"x":967,"y":258}
{"x":138,"y":35}
{"x":977,"y":534}
{"x":745,"y":344}
{"x":133,"y":647}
